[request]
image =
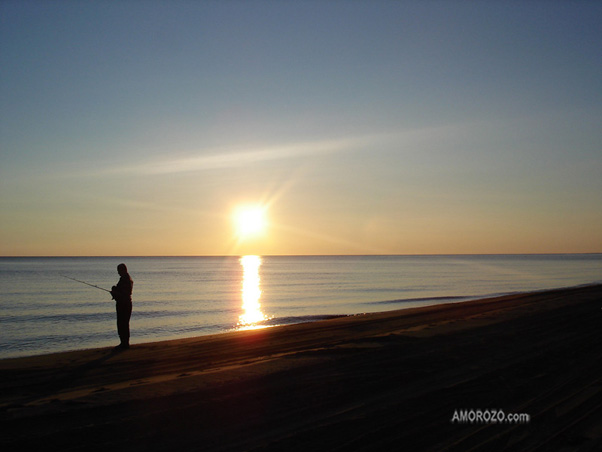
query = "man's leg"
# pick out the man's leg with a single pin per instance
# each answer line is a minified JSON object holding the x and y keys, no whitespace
{"x":124,"y":312}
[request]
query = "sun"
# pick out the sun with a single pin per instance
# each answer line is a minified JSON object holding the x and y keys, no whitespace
{"x":249,"y":221}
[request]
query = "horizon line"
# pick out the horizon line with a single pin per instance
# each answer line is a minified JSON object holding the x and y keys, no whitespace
{"x":301,"y":255}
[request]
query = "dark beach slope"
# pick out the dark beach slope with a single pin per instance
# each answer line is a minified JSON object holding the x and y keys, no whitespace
{"x":390,"y":381}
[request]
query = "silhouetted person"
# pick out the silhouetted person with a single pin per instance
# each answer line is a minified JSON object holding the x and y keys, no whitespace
{"x":122,"y":294}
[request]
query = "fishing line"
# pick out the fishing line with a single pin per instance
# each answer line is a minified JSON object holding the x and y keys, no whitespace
{"x":88,"y":284}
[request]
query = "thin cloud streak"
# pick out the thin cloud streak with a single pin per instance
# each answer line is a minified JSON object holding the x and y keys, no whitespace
{"x":234,"y":159}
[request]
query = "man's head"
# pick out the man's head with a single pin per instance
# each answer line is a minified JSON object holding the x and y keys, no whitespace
{"x":122,"y":270}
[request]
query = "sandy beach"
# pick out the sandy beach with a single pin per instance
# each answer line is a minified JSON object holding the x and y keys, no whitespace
{"x":389,"y":381}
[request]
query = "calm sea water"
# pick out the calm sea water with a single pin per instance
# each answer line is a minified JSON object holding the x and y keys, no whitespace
{"x":175,"y":297}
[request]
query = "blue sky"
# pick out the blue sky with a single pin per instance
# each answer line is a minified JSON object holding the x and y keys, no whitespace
{"x":137,"y":128}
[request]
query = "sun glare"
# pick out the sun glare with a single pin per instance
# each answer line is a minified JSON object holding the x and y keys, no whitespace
{"x":251,"y":294}
{"x":250,"y":221}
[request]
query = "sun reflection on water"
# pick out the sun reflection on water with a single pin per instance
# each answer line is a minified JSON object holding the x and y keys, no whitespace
{"x":251,"y":294}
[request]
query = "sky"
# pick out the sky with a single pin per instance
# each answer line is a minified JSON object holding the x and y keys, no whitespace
{"x":139,"y":128}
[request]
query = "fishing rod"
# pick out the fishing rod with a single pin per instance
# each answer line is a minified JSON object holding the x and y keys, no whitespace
{"x":87,"y":284}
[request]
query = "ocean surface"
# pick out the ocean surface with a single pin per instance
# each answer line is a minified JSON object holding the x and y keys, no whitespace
{"x":41,"y":311}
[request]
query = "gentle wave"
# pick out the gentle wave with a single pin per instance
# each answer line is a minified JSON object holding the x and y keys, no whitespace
{"x":289,"y":320}
{"x":425,"y":299}
{"x":71,"y":317}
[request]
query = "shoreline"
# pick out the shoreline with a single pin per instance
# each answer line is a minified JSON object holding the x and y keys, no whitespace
{"x":185,"y":298}
{"x":374,"y":380}
{"x":437,"y":301}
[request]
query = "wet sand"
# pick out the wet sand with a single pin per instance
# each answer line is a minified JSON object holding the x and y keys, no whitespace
{"x":388,"y":381}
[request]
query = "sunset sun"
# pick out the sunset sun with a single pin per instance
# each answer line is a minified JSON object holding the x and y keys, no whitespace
{"x":249,"y":221}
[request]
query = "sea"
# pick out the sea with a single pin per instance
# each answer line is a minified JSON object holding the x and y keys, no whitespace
{"x":43,"y":311}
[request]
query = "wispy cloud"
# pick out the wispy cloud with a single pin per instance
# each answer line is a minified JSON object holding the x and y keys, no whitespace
{"x":209,"y":160}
